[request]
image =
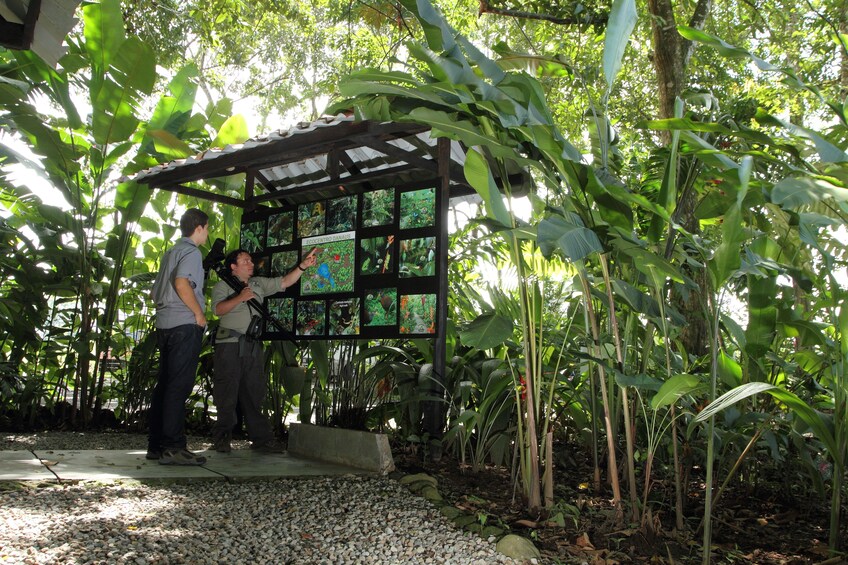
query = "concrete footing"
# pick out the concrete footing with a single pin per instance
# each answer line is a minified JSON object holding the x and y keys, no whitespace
{"x":363,"y":450}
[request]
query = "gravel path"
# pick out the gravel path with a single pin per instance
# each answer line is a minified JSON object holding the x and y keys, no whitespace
{"x":304,"y":521}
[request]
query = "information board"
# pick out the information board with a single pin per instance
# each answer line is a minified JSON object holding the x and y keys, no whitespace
{"x":376,"y":263}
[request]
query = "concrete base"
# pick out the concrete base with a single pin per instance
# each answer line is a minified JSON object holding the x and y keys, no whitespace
{"x":353,"y":448}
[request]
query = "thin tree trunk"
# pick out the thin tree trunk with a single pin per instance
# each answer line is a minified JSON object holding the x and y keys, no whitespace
{"x":625,"y":401}
{"x":612,"y":464}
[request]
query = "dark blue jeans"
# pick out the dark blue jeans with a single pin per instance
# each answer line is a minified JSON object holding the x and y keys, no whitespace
{"x":179,"y":351}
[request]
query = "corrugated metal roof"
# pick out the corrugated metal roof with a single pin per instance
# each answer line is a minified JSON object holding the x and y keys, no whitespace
{"x":279,"y":173}
{"x":51,"y":25}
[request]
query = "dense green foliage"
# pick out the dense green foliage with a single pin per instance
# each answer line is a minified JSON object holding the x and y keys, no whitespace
{"x":639,"y":227}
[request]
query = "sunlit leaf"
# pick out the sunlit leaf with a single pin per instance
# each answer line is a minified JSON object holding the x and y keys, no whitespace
{"x":622,"y":20}
{"x":674,"y":388}
{"x":487,"y":331}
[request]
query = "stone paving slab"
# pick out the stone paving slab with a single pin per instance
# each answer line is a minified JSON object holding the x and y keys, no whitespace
{"x":23,"y":466}
{"x":105,"y":465}
{"x":244,"y":463}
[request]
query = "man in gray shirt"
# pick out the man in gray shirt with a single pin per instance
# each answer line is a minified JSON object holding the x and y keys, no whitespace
{"x":239,"y":375}
{"x":180,"y":323}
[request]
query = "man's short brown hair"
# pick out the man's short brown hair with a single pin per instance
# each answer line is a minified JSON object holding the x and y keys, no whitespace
{"x":192,"y":218}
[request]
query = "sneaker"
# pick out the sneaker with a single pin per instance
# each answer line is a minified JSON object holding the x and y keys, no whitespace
{"x":181,"y":457}
{"x":153,"y":454}
{"x":222,"y":445}
{"x":270,"y":446}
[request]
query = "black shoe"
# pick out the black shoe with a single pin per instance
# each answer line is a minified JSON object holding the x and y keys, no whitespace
{"x":222,"y":445}
{"x":181,"y":457}
{"x":270,"y":446}
{"x":153,"y":454}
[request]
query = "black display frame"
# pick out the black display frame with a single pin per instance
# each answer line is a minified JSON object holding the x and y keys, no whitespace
{"x":408,"y":318}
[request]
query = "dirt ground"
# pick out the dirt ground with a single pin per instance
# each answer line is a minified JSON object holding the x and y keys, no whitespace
{"x":763,"y":527}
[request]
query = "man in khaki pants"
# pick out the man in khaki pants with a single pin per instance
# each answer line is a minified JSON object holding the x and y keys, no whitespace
{"x":239,"y":377}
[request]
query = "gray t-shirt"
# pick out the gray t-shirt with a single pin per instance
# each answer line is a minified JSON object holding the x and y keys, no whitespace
{"x":238,"y":319}
{"x":183,"y":260}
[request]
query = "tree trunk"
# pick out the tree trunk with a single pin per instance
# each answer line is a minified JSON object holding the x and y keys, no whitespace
{"x":671,"y":58}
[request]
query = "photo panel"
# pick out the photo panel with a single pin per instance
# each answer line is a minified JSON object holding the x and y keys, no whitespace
{"x":344,"y":317}
{"x":418,"y":208}
{"x":310,"y":219}
{"x":418,"y":314}
{"x":341,"y":214}
{"x":378,"y":208}
{"x":261,"y":266}
{"x":334,"y":264}
{"x":282,"y":262}
{"x":380,"y":307}
{"x":283,"y":310}
{"x":417,"y":257}
{"x":310,"y":317}
{"x":252,"y":237}
{"x":280,"y":229}
{"x":376,"y":255}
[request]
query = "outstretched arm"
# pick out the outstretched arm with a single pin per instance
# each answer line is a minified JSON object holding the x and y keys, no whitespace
{"x":294,"y":275}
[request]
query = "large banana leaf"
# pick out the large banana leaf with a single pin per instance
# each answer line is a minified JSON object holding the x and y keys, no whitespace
{"x":568,"y":234}
{"x":104,"y":32}
{"x":480,"y":178}
{"x":726,"y":259}
{"x":114,"y":106}
{"x":233,"y":131}
{"x":762,"y":310}
{"x":487,"y":331}
{"x":180,"y":102}
{"x":621,"y":22}
{"x":794,"y":192}
{"x":817,"y":421}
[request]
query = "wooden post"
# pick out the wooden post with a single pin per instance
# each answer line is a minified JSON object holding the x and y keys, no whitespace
{"x":434,"y":410}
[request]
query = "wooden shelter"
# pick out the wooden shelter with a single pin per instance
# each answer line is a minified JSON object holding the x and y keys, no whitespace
{"x":328,"y":158}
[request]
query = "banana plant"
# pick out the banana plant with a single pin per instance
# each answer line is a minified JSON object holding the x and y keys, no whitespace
{"x":93,"y":134}
{"x":501,"y":116}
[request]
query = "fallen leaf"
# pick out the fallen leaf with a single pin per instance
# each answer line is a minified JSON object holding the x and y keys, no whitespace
{"x":786,"y":517}
{"x":583,"y":541}
{"x":820,"y":550}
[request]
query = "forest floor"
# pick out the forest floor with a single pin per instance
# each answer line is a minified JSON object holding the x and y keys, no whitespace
{"x":776,"y":522}
{"x":764,"y":526}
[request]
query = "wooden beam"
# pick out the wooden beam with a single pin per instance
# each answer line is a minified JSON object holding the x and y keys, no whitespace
{"x":202,"y":194}
{"x":386,"y":148}
{"x":333,"y":163}
{"x":289,"y":193}
{"x":248,"y":190}
{"x":395,"y":151}
{"x":12,"y":35}
{"x":264,"y":181}
{"x":33,"y":13}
